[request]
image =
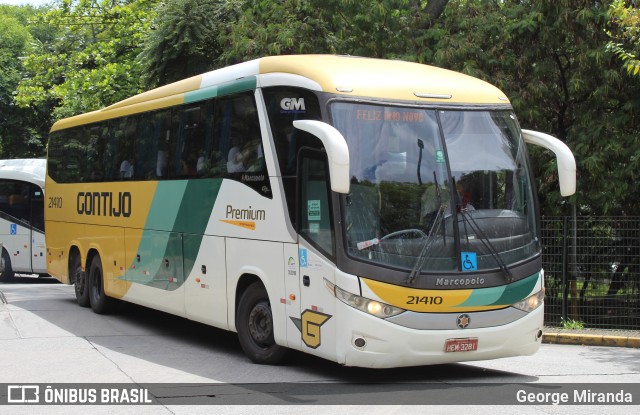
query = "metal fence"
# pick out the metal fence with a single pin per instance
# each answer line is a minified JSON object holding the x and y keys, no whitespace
{"x":592,"y":271}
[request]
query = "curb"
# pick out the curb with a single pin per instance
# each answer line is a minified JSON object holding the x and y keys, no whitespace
{"x":591,"y":340}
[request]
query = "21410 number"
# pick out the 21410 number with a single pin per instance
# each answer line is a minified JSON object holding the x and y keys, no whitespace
{"x":55,"y":202}
{"x":424,"y":300}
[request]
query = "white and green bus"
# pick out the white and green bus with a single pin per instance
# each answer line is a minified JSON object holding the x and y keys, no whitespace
{"x":375,"y":213}
{"x":22,"y":217}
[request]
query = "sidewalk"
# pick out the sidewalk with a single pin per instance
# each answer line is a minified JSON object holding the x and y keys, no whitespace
{"x":592,"y":337}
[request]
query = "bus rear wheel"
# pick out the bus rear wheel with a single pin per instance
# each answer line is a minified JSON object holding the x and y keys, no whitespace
{"x":100,"y":302}
{"x":6,"y":272}
{"x":254,"y":322}
{"x":80,"y":282}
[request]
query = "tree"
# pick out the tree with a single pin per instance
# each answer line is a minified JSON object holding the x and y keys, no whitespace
{"x":184,"y":40}
{"x":20,"y":135}
{"x":625,"y":31}
{"x":91,"y":62}
{"x":384,"y":29}
{"x":548,"y":57}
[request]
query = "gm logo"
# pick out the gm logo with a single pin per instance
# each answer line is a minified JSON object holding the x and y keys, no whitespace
{"x":293,"y":104}
{"x":23,"y":394}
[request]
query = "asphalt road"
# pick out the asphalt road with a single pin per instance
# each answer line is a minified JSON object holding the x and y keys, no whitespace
{"x":46,"y":338}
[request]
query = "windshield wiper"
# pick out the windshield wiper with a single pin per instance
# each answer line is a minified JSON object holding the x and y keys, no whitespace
{"x":422,"y":257}
{"x":468,"y":218}
{"x":417,"y":267}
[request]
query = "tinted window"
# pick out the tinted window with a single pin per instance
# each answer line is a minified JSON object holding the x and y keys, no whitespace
{"x":219,"y":138}
{"x":285,"y":105}
{"x":22,"y":202}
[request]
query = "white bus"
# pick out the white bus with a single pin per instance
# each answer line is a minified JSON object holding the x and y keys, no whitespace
{"x":22,"y":217}
{"x":375,"y":213}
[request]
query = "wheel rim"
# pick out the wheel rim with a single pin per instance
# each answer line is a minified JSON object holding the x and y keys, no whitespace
{"x":261,"y":324}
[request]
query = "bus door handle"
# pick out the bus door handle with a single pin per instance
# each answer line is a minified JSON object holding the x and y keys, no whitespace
{"x":306,"y":281}
{"x":166,"y":262}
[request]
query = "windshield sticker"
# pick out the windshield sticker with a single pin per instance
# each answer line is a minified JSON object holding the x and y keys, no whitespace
{"x":313,"y":210}
{"x":314,"y":227}
{"x":439,"y":156}
{"x":469,"y":261}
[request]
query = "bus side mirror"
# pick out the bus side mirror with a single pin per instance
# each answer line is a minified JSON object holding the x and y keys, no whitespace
{"x":337,"y":151}
{"x":566,"y":161}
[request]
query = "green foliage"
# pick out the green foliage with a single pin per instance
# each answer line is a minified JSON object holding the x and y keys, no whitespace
{"x":18,"y":128}
{"x":276,"y":28}
{"x":91,"y":61}
{"x":572,"y":324}
{"x":184,"y":40}
{"x":550,"y":59}
{"x":625,"y":30}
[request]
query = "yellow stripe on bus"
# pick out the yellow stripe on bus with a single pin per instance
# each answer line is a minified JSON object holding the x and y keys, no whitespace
{"x":425,"y":301}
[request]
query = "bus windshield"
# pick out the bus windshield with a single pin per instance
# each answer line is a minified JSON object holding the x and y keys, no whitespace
{"x":436,"y":190}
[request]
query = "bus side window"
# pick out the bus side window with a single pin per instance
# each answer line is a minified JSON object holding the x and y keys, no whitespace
{"x":5,"y":191}
{"x":37,"y":207}
{"x":15,"y":200}
{"x":314,"y":212}
{"x":237,"y":151}
{"x":190,"y":143}
{"x":240,"y":138}
{"x":126,"y":143}
{"x":95,"y":151}
{"x":285,"y":105}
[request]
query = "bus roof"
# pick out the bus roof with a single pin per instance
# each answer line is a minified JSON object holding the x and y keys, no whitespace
{"x":344,"y":75}
{"x":28,"y":170}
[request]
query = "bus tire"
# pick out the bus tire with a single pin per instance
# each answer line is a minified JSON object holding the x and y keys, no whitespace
{"x":100,"y":302}
{"x":6,"y":271}
{"x":254,"y":323}
{"x":80,"y":281}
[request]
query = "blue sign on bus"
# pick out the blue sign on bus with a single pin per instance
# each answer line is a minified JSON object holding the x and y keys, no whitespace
{"x":469,"y":261}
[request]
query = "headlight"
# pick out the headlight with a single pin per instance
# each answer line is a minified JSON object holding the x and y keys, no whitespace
{"x":373,"y":307}
{"x":530,"y":303}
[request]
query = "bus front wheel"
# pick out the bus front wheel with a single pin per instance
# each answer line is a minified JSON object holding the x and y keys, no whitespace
{"x":100,"y":302}
{"x":254,"y":322}
{"x":80,"y":282}
{"x":6,"y":272}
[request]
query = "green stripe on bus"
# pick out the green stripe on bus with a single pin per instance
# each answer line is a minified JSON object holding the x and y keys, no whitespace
{"x":201,"y":94}
{"x":518,"y":290}
{"x":193,"y":217}
{"x":245,"y":84}
{"x":176,"y":223}
{"x":503,"y":295}
{"x":165,"y":205}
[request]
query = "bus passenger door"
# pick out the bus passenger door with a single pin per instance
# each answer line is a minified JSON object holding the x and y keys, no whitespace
{"x":15,"y":208}
{"x":38,"y":248}
{"x":315,"y":226}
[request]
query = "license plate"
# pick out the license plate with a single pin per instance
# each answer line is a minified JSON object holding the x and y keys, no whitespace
{"x":460,"y":345}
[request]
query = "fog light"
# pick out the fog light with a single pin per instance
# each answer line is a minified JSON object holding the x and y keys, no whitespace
{"x":360,"y":342}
